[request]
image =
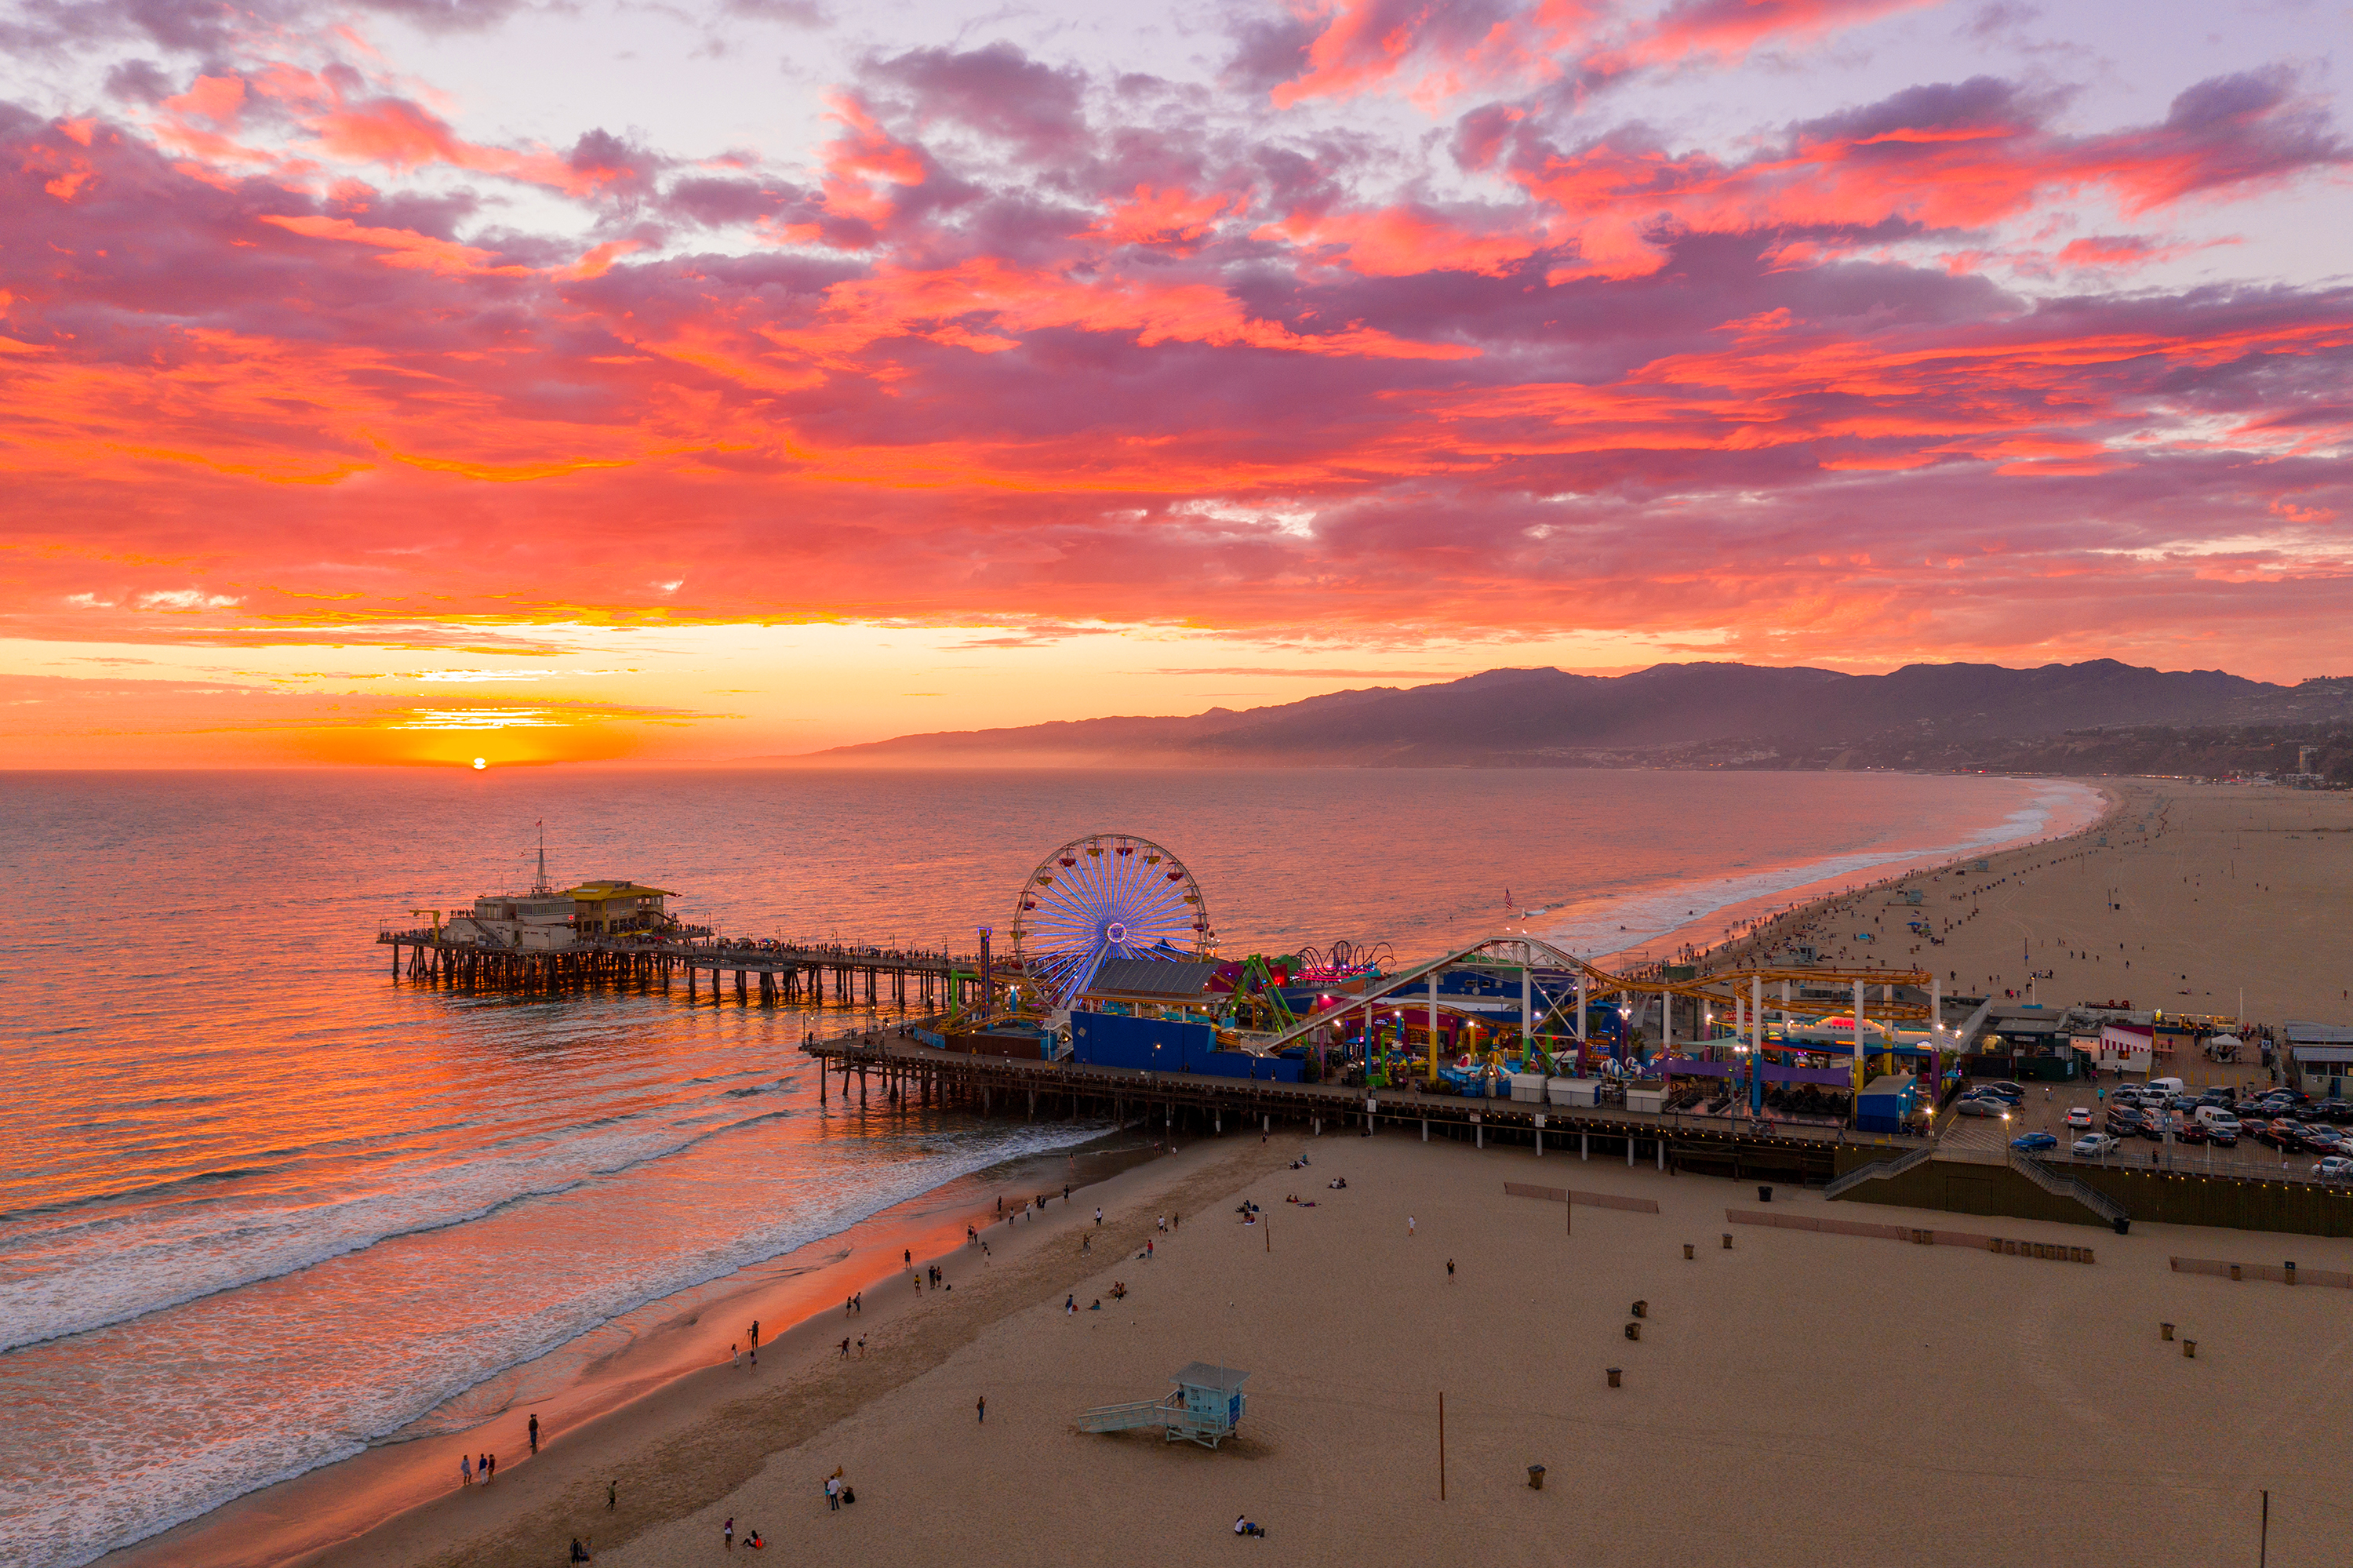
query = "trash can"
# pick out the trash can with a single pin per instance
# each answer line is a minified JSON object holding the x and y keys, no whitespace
{"x":1536,"y":1476}
{"x":1764,"y":1194}
{"x":1613,"y":1377}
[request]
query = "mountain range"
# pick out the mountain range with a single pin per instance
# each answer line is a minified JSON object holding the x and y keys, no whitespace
{"x":1699,"y":713}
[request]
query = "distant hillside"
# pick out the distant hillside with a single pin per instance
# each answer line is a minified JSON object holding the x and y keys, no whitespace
{"x":1709,"y":715}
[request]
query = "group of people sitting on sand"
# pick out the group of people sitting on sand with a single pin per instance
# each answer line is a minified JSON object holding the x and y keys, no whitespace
{"x":1294,"y":1198}
{"x":1337,"y":1183}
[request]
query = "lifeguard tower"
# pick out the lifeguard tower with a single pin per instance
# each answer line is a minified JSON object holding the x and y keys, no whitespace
{"x":1206,"y":1408}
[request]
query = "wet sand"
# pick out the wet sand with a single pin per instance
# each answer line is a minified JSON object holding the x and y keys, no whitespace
{"x":651,"y":1371}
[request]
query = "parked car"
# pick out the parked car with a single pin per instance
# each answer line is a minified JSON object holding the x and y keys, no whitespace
{"x":2079,"y":1116}
{"x":2002,"y":1086}
{"x":2188,"y":1131}
{"x":2126,"y":1120}
{"x":2250,"y":1108}
{"x":2335,"y":1168}
{"x":2334,"y":1110}
{"x":2222,"y":1134}
{"x":2034,"y":1142}
{"x":2092,"y":1145}
{"x":1980,"y":1105}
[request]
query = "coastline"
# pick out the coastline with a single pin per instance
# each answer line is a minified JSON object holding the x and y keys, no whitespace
{"x":1724,"y":927}
{"x":670,"y":1454}
{"x":642,"y":1354}
{"x":637,"y":1371}
{"x":1769,"y":928}
{"x":707,"y":1443}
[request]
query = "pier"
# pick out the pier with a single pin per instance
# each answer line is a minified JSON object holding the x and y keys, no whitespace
{"x":889,"y":1073}
{"x":766,"y":973}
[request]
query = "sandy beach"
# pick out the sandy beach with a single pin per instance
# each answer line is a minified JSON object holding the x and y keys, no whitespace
{"x":1797,"y":1398}
{"x":2220,"y":888}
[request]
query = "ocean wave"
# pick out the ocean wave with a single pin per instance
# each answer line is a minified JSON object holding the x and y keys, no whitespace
{"x":121,"y":1283}
{"x":385,"y":1396}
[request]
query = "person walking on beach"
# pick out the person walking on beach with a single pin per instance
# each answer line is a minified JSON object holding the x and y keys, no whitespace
{"x":982,"y":1405}
{"x":612,"y":1495}
{"x":1409,"y":1225}
{"x":495,"y":1465}
{"x":862,"y":1347}
{"x":1099,"y":1214}
{"x":465,"y":1469}
{"x":534,"y":1432}
{"x":727,"y":1532}
{"x":1449,"y":1271}
{"x":735,"y":1357}
{"x":833,"y":1494}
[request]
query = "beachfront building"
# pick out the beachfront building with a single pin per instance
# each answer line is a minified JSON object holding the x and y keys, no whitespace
{"x":2319,"y":1057}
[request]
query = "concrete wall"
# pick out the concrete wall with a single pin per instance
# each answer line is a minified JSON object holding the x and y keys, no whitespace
{"x":1965,"y":1188}
{"x":2303,"y":1208}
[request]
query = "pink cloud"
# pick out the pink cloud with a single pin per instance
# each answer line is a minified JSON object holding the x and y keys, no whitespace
{"x":998,"y":350}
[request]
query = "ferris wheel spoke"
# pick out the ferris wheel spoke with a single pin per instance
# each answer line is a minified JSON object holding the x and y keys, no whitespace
{"x":1105,"y":895}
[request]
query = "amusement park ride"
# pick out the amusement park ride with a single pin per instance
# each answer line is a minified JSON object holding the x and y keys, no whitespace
{"x":1108,"y":896}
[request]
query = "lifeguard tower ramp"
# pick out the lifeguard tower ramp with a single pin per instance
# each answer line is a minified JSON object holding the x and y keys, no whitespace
{"x":1205,"y":1407}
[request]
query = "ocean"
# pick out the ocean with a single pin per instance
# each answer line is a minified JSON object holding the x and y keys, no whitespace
{"x":265,"y":1209}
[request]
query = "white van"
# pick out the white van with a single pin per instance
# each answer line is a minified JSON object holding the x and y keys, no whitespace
{"x":2165,"y":1086}
{"x":2218,"y":1117}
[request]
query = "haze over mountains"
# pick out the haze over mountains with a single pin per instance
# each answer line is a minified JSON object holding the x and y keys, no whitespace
{"x":1702,"y":713}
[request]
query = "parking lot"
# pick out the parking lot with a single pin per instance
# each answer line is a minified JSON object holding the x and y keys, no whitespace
{"x":2046,"y":1110}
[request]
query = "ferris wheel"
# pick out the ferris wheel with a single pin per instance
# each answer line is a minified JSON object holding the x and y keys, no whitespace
{"x":1107,"y":896}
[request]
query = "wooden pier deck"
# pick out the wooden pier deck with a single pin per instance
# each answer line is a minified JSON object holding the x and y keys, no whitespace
{"x":893,"y":1072}
{"x":801,"y":974}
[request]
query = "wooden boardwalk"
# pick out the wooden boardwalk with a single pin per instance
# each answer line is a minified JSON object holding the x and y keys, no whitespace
{"x":890,"y":1070}
{"x":810,"y":975}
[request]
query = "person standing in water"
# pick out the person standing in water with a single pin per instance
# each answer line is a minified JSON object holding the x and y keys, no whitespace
{"x":465,"y":1469}
{"x":534,"y":1432}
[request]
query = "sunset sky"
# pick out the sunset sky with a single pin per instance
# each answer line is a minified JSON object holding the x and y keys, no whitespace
{"x":427,"y":379}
